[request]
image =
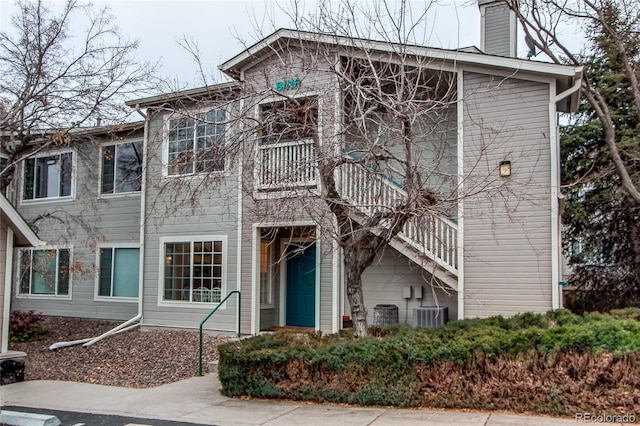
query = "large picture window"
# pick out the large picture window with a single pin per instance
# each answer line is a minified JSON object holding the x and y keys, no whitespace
{"x":196,"y":144}
{"x":121,"y":168}
{"x":44,"y":272}
{"x":48,"y":177}
{"x":119,"y":267}
{"x":193,"y":270}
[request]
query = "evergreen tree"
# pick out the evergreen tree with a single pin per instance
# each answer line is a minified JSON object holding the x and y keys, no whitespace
{"x":601,"y":220}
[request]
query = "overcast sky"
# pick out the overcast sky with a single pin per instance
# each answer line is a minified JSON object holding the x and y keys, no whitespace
{"x":221,"y":27}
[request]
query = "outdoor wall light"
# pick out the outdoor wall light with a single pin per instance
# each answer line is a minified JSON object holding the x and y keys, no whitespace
{"x":505,"y":168}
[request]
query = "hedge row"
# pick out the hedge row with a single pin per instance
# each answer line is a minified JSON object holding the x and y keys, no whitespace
{"x":555,"y":363}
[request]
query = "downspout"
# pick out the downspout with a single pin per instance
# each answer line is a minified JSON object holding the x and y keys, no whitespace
{"x":143,"y":214}
{"x":556,"y":230}
{"x":130,"y":324}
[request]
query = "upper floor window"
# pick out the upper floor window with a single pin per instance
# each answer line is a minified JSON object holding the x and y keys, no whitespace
{"x":121,"y":168}
{"x":44,"y":272}
{"x":48,"y":177}
{"x":196,"y":144}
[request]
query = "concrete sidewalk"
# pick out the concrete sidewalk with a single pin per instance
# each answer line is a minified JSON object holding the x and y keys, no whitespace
{"x":198,"y":400}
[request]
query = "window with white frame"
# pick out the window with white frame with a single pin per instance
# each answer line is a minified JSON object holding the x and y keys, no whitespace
{"x":121,"y":168}
{"x":119,"y":267}
{"x":48,"y":176}
{"x":195,"y":144}
{"x":44,"y":272}
{"x":193,"y":270}
{"x":265,"y":274}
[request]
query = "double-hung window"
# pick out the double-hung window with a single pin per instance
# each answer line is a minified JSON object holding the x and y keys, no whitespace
{"x":48,"y":177}
{"x":196,"y":143}
{"x":194,"y":270}
{"x":119,"y":267}
{"x":44,"y":272}
{"x":121,"y":168}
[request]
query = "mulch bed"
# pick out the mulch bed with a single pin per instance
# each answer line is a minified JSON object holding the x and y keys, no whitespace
{"x":135,"y":358}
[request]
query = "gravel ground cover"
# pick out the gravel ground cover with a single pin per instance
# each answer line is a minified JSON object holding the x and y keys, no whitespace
{"x":135,"y":359}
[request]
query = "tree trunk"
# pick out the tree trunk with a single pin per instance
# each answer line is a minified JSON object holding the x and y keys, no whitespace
{"x":355,"y":296}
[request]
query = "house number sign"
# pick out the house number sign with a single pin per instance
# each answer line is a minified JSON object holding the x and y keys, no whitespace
{"x":290,"y":84}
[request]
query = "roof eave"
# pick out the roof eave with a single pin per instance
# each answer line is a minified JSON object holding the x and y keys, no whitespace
{"x":234,"y":65}
{"x":22,"y":232}
{"x":182,"y":94}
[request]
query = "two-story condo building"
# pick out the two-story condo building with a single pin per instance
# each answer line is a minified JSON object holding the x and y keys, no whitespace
{"x":221,"y":188}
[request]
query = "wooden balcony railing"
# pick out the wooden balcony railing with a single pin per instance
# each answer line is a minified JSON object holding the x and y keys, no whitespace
{"x":286,"y":165}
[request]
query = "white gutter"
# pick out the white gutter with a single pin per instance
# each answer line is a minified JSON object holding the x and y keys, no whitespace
{"x":125,"y":326}
{"x":556,"y":231}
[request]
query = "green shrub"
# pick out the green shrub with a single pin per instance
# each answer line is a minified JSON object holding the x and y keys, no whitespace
{"x":385,"y":368}
{"x":26,"y":326}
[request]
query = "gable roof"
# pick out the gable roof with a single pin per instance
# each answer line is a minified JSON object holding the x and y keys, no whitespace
{"x":198,"y":93}
{"x":23,"y":233}
{"x":566,"y":76}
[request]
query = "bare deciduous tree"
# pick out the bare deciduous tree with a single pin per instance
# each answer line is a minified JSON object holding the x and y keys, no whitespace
{"x":618,"y":23}
{"x":55,"y":78}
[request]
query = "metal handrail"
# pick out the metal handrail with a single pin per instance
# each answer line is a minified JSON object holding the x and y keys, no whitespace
{"x":213,"y":312}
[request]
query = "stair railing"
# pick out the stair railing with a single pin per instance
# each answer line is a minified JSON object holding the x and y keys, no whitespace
{"x":209,"y":316}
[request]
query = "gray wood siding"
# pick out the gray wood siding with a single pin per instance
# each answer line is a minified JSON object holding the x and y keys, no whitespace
{"x":83,"y":222}
{"x":507,"y":221}
{"x":385,"y":279}
{"x":189,"y":207}
{"x":301,"y":208}
{"x":497,"y":25}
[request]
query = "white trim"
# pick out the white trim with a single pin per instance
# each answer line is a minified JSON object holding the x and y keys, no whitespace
{"x":337,"y":312}
{"x":240,"y":217}
{"x":17,"y":222}
{"x":513,"y":33}
{"x":143,"y":217}
{"x":116,"y":143}
{"x":161,"y":263}
{"x":47,"y":200}
{"x":428,"y":52}
{"x":54,"y":296}
{"x":555,"y":187}
{"x":96,"y":295}
{"x":6,"y":313}
{"x":483,"y":18}
{"x":318,"y":266}
{"x":460,"y":155}
{"x":255,"y":279}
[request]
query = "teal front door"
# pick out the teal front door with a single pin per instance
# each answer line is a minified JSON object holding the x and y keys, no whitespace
{"x":301,"y":286}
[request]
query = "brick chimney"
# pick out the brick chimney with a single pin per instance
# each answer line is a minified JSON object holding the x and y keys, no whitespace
{"x":497,"y":28}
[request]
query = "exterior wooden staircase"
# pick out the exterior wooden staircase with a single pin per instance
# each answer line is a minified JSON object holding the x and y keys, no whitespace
{"x":430,"y":241}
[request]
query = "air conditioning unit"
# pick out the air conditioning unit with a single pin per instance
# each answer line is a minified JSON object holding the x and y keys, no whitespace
{"x":430,"y":316}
